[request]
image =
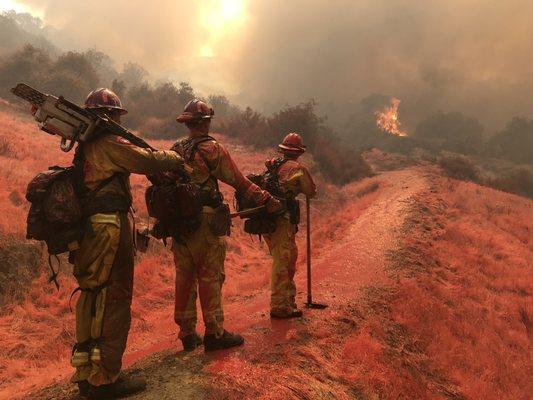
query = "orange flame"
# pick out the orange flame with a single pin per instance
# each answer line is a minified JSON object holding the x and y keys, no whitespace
{"x":388,"y":120}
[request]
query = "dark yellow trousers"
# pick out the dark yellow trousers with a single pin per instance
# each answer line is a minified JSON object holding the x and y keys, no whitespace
{"x":103,"y":268}
{"x":199,"y":259}
{"x":282,"y":245}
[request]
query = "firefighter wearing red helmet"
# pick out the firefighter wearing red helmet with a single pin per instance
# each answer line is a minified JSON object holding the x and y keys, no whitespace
{"x":105,"y":100}
{"x":294,"y":179}
{"x":199,"y":255}
{"x":195,"y":111}
{"x":103,"y":263}
{"x":292,"y":143}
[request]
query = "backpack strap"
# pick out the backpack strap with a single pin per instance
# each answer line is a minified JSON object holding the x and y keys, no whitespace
{"x":187,"y":147}
{"x":191,"y":148}
{"x":272,"y":172}
{"x":275,"y":166}
{"x":83,"y":191}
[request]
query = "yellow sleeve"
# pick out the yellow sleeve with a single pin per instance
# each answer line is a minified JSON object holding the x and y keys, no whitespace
{"x":224,"y":168}
{"x":300,"y":181}
{"x":127,"y":157}
{"x":307,"y":185}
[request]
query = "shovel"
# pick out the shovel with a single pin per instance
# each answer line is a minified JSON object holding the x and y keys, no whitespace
{"x":310,"y":303}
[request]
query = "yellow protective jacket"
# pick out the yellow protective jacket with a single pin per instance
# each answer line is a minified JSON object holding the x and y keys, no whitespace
{"x":294,"y":179}
{"x":211,"y":162}
{"x":113,"y":155}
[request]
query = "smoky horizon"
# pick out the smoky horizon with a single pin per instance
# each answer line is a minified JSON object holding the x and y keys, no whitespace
{"x":468,"y":56}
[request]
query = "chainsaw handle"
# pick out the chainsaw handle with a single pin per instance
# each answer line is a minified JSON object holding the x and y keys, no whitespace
{"x":67,"y":145}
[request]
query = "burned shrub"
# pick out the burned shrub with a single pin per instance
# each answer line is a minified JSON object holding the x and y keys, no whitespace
{"x":459,"y":167}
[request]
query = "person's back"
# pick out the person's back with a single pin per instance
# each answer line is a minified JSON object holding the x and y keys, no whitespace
{"x":293,"y":179}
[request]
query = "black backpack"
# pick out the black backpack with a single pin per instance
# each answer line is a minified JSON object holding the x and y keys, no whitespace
{"x":55,"y":214}
{"x":176,"y":202}
{"x":264,"y":223}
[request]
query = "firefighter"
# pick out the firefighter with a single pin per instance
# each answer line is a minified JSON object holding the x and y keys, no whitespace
{"x":293,"y":179}
{"x":103,"y":264}
{"x":199,"y":256}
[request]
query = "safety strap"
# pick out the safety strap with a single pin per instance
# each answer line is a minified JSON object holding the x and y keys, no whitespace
{"x":95,"y":293}
{"x":103,"y":184}
{"x":53,"y":276}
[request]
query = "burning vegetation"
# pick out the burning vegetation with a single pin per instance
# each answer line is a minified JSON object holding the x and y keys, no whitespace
{"x":388,"y":120}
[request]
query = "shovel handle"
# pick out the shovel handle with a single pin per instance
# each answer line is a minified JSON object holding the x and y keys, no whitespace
{"x":308,"y":215}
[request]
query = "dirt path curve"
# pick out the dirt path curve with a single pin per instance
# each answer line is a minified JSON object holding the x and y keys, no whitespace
{"x":356,"y":260}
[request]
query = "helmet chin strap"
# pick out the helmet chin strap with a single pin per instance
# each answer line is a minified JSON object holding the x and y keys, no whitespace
{"x":199,"y":129}
{"x":290,"y":155}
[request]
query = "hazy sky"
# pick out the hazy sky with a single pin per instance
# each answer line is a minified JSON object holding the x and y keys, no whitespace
{"x":469,"y":55}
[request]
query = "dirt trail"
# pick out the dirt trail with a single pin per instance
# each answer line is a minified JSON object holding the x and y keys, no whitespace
{"x":355,"y":261}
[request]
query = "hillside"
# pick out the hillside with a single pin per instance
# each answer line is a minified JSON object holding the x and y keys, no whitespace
{"x":428,"y":282}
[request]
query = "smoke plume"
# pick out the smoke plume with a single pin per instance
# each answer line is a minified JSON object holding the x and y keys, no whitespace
{"x":472,"y":56}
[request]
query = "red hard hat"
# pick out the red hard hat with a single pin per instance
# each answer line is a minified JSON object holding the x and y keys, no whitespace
{"x":195,"y":110}
{"x":292,"y":143}
{"x":104,"y":99}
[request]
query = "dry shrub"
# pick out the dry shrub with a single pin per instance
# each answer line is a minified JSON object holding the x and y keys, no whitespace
{"x":161,"y":128}
{"x":459,"y":167}
{"x":340,"y":165}
{"x":19,"y":265}
{"x":5,"y":147}
{"x":518,"y":181}
{"x":451,"y":131}
{"x":514,"y":142}
{"x":369,"y":188}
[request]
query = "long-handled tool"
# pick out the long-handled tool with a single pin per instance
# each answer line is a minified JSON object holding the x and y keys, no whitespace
{"x":310,"y":303}
{"x":250,"y":212}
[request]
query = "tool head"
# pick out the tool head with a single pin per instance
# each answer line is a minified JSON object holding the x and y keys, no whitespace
{"x":316,"y":306}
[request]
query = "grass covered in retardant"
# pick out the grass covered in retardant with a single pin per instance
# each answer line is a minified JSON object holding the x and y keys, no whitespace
{"x":470,"y":307}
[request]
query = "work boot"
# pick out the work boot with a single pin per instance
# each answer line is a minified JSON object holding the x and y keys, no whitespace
{"x":286,"y":315}
{"x":122,"y":387}
{"x":191,"y":342}
{"x":227,"y":340}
